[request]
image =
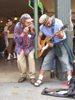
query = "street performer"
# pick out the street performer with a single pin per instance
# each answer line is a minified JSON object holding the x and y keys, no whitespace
{"x":24,"y":34}
{"x":60,"y":49}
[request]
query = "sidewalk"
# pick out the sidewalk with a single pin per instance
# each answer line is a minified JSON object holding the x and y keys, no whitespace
{"x":26,"y":91}
{"x":10,"y":89}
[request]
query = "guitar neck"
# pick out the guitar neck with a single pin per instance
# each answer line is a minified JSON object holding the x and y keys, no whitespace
{"x":61,"y":29}
{"x":50,"y":38}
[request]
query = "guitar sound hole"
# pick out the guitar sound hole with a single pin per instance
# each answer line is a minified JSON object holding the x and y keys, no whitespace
{"x":45,"y":43}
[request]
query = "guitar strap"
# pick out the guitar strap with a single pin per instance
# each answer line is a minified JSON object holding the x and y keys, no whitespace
{"x":53,"y":28}
{"x":53,"y":24}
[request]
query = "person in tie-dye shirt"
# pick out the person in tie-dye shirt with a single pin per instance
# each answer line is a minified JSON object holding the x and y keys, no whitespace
{"x":24,"y":34}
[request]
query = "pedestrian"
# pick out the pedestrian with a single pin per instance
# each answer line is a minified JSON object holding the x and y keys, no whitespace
{"x":10,"y":35}
{"x":24,"y":34}
{"x":60,"y":49}
{"x":5,"y":34}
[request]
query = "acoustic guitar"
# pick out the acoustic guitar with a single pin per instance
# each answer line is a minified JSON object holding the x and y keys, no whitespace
{"x":46,"y":42}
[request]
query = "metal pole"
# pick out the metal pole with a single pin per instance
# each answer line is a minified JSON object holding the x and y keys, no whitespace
{"x":36,"y":24}
{"x":63,"y":12}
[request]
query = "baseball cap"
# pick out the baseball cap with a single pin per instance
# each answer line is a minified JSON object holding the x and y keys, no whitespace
{"x":27,"y":17}
{"x":43,"y":19}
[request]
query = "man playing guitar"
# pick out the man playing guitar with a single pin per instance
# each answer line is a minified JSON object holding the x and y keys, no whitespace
{"x":59,"y":49}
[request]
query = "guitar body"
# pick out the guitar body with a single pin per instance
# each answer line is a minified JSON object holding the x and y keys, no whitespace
{"x":44,"y":46}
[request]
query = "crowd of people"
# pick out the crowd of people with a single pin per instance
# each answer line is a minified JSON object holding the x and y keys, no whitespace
{"x":20,"y":38}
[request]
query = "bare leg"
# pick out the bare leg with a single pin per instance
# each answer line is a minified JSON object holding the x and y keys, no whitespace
{"x":8,"y":58}
{"x":69,"y":73}
{"x":14,"y":55}
{"x":69,"y":76}
{"x":42,"y":72}
{"x":40,"y":78}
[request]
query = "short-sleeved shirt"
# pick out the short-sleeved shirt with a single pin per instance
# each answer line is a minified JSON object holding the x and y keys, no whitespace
{"x":5,"y":28}
{"x":23,"y":43}
{"x":48,"y":31}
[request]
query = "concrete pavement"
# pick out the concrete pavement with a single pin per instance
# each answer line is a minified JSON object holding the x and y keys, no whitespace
{"x":10,"y":89}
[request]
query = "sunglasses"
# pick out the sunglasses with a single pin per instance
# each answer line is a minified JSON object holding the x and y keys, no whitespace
{"x":47,"y":23}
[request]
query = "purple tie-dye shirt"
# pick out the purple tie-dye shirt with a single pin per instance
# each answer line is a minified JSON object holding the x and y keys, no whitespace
{"x":25,"y":43}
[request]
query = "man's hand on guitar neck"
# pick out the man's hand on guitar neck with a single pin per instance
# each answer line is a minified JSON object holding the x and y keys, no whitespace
{"x":59,"y":34}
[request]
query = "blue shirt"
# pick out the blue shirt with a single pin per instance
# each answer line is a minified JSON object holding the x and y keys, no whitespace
{"x":48,"y":31}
